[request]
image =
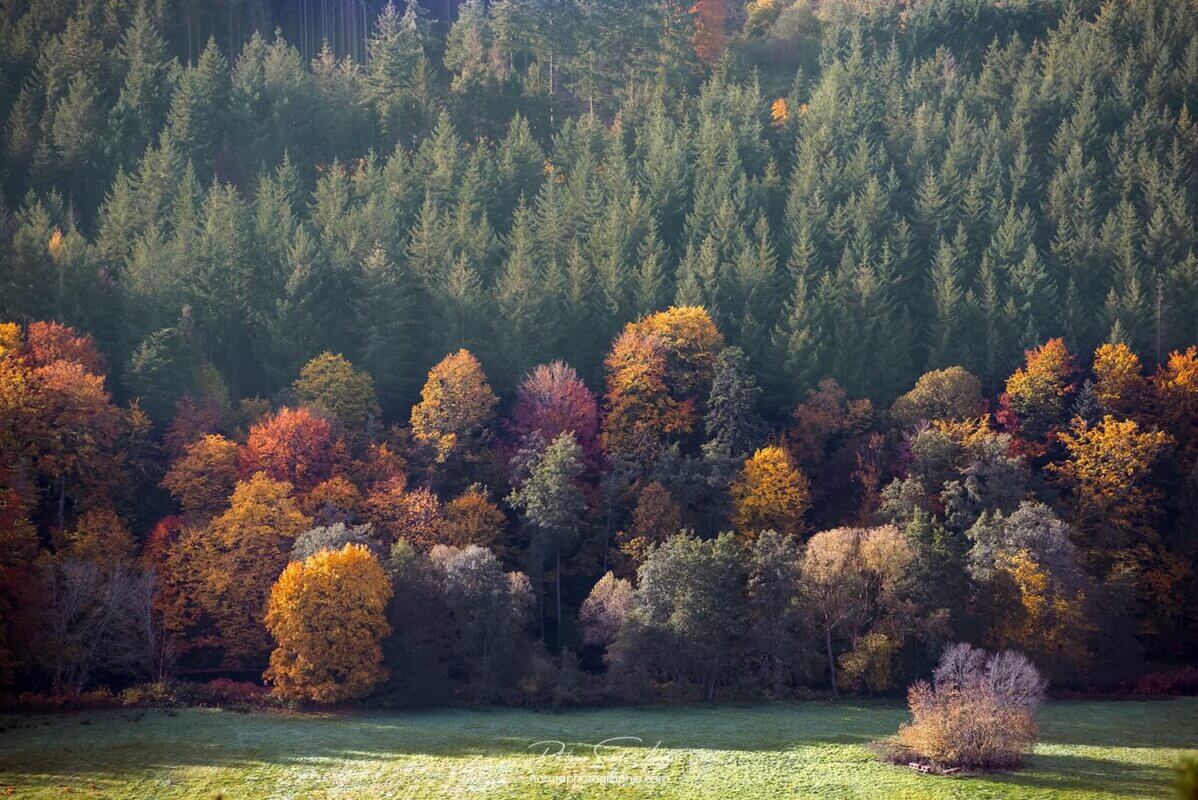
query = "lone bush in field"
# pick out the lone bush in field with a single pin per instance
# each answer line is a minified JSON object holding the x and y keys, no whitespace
{"x":979,"y":713}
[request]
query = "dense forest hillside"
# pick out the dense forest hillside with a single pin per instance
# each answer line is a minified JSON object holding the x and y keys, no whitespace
{"x":904,"y":295}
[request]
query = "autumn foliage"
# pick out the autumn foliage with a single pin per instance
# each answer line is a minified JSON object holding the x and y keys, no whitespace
{"x":47,"y":342}
{"x":1035,"y":396}
{"x":1108,"y":467}
{"x":470,"y":519}
{"x":399,"y":512}
{"x":710,"y":37}
{"x":242,"y":553}
{"x":456,"y":407}
{"x":202,"y":478}
{"x":770,"y":494}
{"x":313,"y":660}
{"x":293,"y":445}
{"x":655,"y":518}
{"x":639,"y":412}
{"x":551,"y":401}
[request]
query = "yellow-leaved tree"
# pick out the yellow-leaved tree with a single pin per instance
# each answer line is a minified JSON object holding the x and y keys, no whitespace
{"x":203,"y":477}
{"x":242,"y":554}
{"x":456,"y":408}
{"x":1119,"y":385}
{"x":1051,"y":619}
{"x":328,"y":616}
{"x":770,"y":494}
{"x":1108,"y":467}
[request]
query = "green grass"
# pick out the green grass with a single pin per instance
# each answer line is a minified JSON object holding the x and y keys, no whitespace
{"x":1088,"y":749}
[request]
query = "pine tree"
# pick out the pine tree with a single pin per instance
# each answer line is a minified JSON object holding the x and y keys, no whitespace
{"x":733,"y":427}
{"x":520,"y":299}
{"x":650,"y":287}
{"x":698,"y":278}
{"x":385,"y":312}
{"x":144,"y":97}
{"x":200,"y":108}
{"x":949,"y":341}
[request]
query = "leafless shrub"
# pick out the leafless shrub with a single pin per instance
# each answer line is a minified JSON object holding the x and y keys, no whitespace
{"x":978,"y":714}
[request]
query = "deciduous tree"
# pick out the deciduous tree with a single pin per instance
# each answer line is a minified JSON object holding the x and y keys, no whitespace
{"x":326,"y":615}
{"x":1108,"y":468}
{"x":847,"y":572}
{"x":1034,"y":400}
{"x":552,"y":503}
{"x":770,"y":494}
{"x":471,"y":519}
{"x":551,"y":401}
{"x":202,"y":479}
{"x":456,"y":408}
{"x":292,"y":445}
{"x":330,"y":385}
{"x":248,"y":546}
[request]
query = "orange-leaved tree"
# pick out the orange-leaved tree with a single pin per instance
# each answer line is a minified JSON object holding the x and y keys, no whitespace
{"x":710,"y":37}
{"x":470,"y":518}
{"x":246,"y":548}
{"x":655,"y":518}
{"x":1051,"y":618}
{"x":401,"y":513}
{"x":1176,"y":386}
{"x":328,"y":617}
{"x":79,"y":435}
{"x":202,"y":479}
{"x":1034,"y":400}
{"x":47,"y":342}
{"x":293,"y":445}
{"x":639,"y":410}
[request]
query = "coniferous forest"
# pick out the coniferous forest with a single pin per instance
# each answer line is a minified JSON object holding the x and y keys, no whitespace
{"x":579,"y":351}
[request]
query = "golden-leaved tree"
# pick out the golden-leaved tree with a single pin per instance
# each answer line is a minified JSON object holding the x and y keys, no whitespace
{"x":1034,"y":400}
{"x":204,"y":476}
{"x":456,"y":408}
{"x":328,"y":616}
{"x":1108,"y":468}
{"x":770,"y":494}
{"x":244,"y":551}
{"x":1119,"y":385}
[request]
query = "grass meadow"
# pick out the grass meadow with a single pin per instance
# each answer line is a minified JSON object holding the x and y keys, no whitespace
{"x":1087,"y":750}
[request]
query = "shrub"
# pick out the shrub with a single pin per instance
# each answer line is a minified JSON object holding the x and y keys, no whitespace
{"x":151,"y":695}
{"x":978,"y":714}
{"x":1185,"y":780}
{"x":66,"y":701}
{"x":1183,"y":680}
{"x":227,"y":693}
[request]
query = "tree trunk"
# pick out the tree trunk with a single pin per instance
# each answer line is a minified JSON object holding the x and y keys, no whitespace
{"x":557,"y":579}
{"x":606,"y":532}
{"x":831,"y":661}
{"x":62,"y":503}
{"x":541,"y":601}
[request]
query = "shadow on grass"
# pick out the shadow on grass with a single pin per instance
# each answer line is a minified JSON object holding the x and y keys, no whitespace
{"x":1171,"y":723}
{"x":1081,"y":773}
